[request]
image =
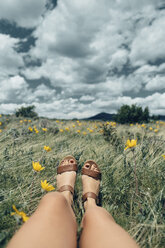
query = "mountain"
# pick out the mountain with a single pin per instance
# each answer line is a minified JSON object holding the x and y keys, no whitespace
{"x":102,"y":116}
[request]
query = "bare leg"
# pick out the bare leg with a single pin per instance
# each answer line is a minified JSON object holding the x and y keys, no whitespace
{"x":53,"y":224}
{"x":99,"y":227}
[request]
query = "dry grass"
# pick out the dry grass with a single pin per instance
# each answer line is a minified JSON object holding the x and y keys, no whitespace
{"x":142,"y":214}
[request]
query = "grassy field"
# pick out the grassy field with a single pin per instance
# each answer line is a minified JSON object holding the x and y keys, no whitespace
{"x":136,"y":200}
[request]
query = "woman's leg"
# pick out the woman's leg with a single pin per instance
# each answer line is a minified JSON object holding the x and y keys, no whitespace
{"x":99,"y":227}
{"x":101,"y":231}
{"x":53,"y":224}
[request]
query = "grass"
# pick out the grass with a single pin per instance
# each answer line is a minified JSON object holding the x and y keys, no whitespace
{"x":141,"y":213}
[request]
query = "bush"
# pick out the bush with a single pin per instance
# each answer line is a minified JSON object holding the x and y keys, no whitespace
{"x":132,"y":114}
{"x":26,"y":112}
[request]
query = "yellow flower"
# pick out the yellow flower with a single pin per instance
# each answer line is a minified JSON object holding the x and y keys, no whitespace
{"x":143,"y":125}
{"x":61,"y":130}
{"x":67,"y":128}
{"x":150,"y":128}
{"x":73,"y":125}
{"x":84,"y":133}
{"x":91,"y":131}
{"x":157,"y":122}
{"x":25,"y":120}
{"x":29,"y":121}
{"x":0,"y":130}
{"x":130,"y":143}
{"x":163,"y":156}
{"x":0,"y":123}
{"x":36,"y":130}
{"x":78,"y":131}
{"x":37,"y":166}
{"x":156,"y":130}
{"x":0,"y":115}
{"x":30,"y":129}
{"x":21,"y":121}
{"x":45,"y":129}
{"x":46,"y":186}
{"x":131,"y":125}
{"x":47,"y":148}
{"x":19,"y":213}
{"x":57,"y":121}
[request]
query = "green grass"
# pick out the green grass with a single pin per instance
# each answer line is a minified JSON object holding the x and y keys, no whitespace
{"x":142,"y":214}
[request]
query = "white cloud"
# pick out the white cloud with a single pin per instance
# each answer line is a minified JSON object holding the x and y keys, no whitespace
{"x":10,"y":60}
{"x":13,"y":89}
{"x":26,"y":13}
{"x":90,"y":53}
{"x":149,"y":43}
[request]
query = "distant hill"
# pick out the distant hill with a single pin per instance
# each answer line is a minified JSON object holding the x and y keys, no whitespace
{"x":162,"y":117}
{"x":110,"y":117}
{"x":102,"y":116}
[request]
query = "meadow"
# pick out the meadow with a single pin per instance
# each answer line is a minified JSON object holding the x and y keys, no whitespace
{"x":132,"y":187}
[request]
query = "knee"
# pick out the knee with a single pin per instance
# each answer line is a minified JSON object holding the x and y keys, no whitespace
{"x":54,"y":201}
{"x":96,"y":215}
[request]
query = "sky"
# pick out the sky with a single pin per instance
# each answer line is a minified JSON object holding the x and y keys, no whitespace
{"x":75,"y":59}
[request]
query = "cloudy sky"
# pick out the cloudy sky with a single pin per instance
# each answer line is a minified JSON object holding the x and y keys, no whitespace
{"x":73,"y":58}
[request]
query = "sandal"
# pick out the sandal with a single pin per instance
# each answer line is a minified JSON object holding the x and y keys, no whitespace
{"x":95,"y":174}
{"x":72,"y":166}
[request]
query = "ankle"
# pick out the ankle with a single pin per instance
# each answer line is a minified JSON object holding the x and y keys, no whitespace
{"x":68,"y":196}
{"x":90,"y":202}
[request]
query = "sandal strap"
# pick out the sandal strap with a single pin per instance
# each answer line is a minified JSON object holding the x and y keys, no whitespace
{"x":66,"y":188}
{"x":89,"y":194}
{"x":68,"y":167}
{"x":96,"y":175}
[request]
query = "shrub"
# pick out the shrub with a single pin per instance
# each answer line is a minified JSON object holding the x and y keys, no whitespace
{"x":132,"y":114}
{"x":26,"y":112}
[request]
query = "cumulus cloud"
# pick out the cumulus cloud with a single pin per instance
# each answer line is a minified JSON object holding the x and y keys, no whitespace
{"x":26,"y":13}
{"x":93,"y":53}
{"x":149,"y":45}
{"x":10,"y":60}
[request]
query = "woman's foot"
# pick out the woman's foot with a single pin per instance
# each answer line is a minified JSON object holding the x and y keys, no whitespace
{"x":66,"y":177}
{"x":91,"y":182}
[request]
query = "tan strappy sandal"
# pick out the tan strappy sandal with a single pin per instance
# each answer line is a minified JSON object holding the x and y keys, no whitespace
{"x":95,"y":174}
{"x":72,"y":166}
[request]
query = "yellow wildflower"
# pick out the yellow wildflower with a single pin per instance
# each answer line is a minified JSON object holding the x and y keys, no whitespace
{"x":57,"y":121}
{"x":37,"y":166}
{"x":0,"y":115}
{"x":84,"y":133}
{"x":47,"y":148}
{"x":91,"y":131}
{"x":46,"y":186}
{"x":163,"y":156}
{"x":78,"y":121}
{"x":19,"y":213}
{"x":61,"y":130}
{"x":73,"y":125}
{"x":0,"y":130}
{"x":79,"y":124}
{"x":131,"y":125}
{"x":150,"y":128}
{"x":130,"y":143}
{"x":25,"y":120}
{"x":21,"y":121}
{"x":30,"y":129}
{"x":78,"y":131}
{"x":0,"y":123}
{"x":156,"y":130}
{"x":29,"y":121}
{"x":143,"y":125}
{"x":36,"y":130}
{"x":67,"y":128}
{"x":45,"y":129}
{"x":157,"y":122}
